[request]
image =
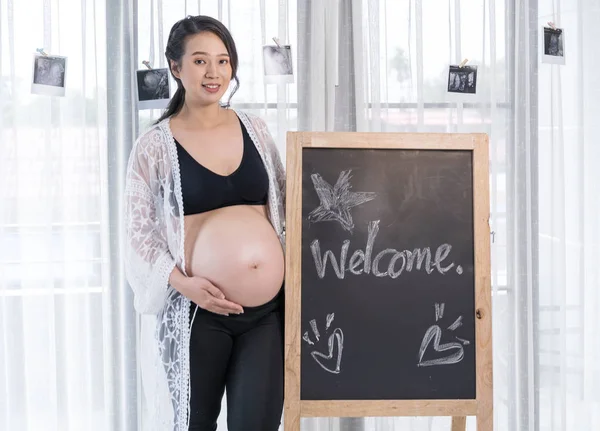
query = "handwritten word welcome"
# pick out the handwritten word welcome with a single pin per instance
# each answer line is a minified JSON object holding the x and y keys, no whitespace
{"x":362,"y":262}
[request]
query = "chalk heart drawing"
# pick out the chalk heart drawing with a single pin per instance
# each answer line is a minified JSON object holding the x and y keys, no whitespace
{"x":337,"y":337}
{"x":327,"y":361}
{"x":435,"y":333}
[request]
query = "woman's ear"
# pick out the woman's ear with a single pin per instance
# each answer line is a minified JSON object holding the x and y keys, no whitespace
{"x":174,"y":69}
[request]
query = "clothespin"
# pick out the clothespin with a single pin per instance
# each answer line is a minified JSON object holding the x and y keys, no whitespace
{"x":147,"y":64}
{"x":462,"y":64}
{"x":552,"y":26}
{"x":277,"y":42}
{"x":41,"y":51}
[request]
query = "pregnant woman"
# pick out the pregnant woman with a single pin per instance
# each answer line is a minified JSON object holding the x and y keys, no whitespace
{"x":204,"y":251}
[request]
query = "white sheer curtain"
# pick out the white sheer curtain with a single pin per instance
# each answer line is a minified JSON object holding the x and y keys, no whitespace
{"x":569,"y":223}
{"x":53,"y":229}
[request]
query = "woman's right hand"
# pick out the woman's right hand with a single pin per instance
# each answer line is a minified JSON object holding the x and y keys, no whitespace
{"x":208,"y":296}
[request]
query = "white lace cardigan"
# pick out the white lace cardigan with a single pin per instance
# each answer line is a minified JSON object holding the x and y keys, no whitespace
{"x":154,"y":244}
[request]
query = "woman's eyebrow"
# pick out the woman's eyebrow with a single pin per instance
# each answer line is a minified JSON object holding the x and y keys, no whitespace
{"x":206,"y":53}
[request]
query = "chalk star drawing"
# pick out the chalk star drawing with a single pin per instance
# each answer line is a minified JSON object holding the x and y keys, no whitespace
{"x":336,"y":201}
{"x":327,"y":361}
{"x":435,"y":333}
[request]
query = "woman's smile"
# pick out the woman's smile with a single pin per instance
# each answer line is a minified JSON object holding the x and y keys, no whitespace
{"x":211,"y":88}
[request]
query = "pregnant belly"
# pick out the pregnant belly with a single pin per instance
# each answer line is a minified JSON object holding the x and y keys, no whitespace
{"x":237,"y":249}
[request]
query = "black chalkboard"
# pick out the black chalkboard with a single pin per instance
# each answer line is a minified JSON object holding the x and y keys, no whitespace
{"x":417,"y":205}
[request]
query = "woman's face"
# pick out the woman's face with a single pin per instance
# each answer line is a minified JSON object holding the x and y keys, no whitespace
{"x":205,"y":69}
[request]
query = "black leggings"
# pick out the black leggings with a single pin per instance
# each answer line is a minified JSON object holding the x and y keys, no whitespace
{"x":243,"y":353}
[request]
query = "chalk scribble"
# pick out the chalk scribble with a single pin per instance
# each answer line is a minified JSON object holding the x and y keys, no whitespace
{"x":336,"y":201}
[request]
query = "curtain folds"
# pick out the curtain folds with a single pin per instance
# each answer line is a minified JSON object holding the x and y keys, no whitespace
{"x":54,"y":231}
{"x":67,"y":329}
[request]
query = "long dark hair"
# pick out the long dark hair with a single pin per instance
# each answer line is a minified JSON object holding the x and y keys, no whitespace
{"x":190,"y":26}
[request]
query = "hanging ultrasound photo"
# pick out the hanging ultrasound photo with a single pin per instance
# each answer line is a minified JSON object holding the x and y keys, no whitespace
{"x":49,"y":75}
{"x":153,"y":88}
{"x":462,"y":80}
{"x":278,"y":64}
{"x":553,"y":46}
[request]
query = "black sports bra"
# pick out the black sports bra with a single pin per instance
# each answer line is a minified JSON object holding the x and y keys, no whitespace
{"x":204,"y":190}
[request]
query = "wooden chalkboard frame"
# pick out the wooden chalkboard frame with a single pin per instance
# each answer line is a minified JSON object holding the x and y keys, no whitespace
{"x":482,"y":406}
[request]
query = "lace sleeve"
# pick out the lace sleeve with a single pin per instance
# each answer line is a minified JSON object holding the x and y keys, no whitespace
{"x":148,"y":261}
{"x":271,"y":147}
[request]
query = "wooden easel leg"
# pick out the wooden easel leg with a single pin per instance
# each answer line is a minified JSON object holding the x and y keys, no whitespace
{"x":485,"y":422}
{"x":291,"y":417}
{"x":459,"y":423}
